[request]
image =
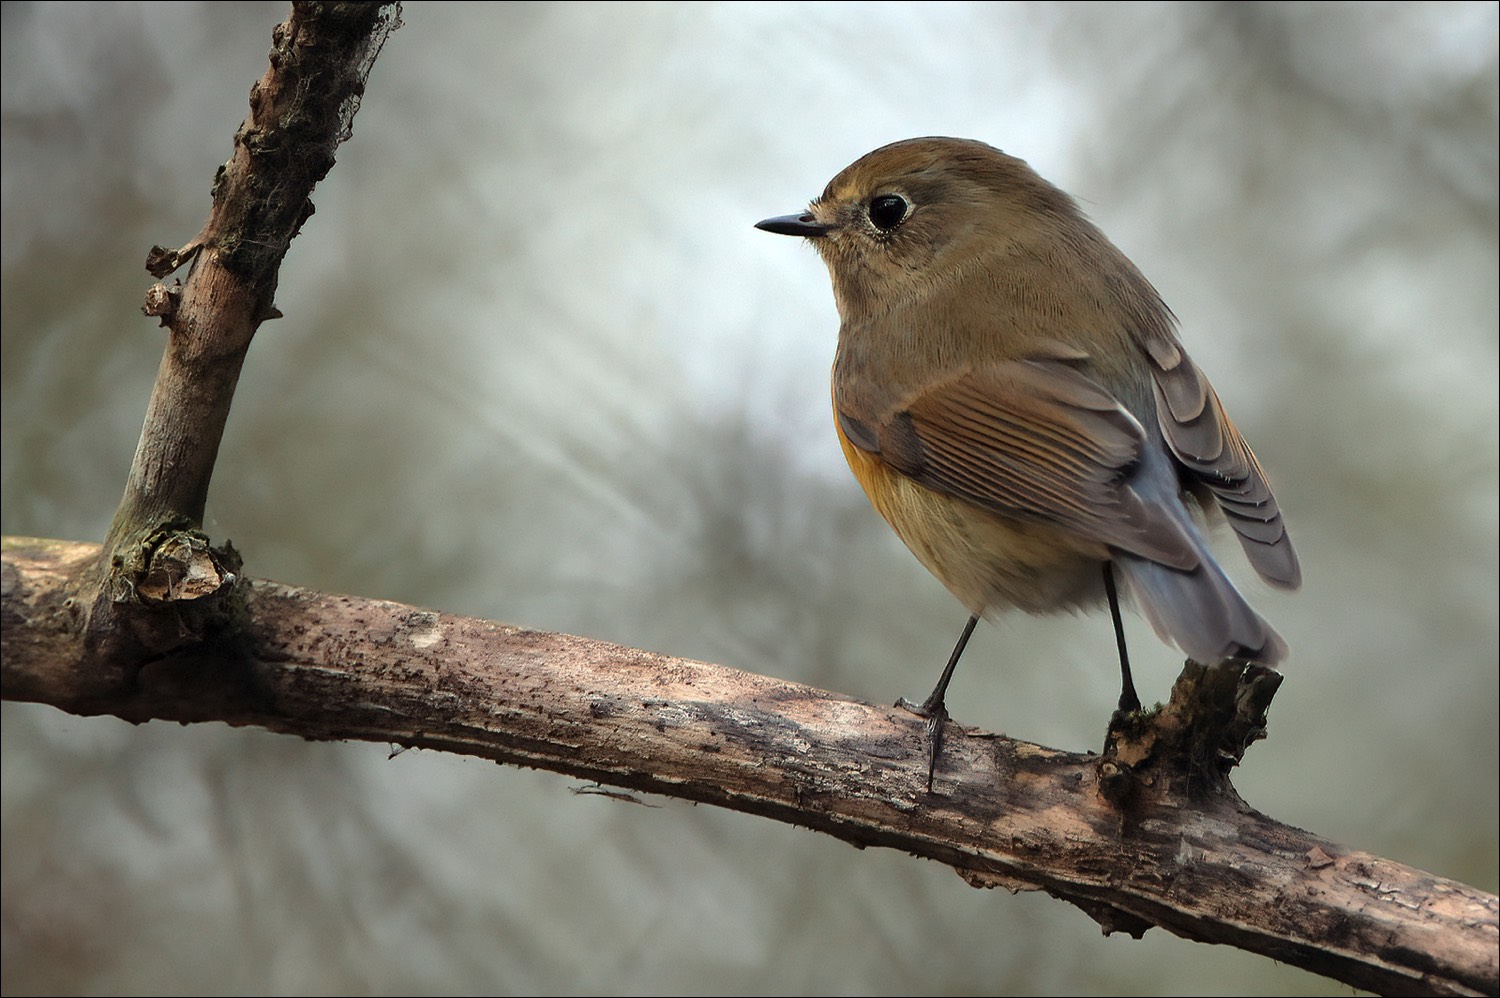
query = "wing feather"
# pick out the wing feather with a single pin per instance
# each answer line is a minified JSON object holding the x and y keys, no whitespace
{"x":1208,"y":445}
{"x":1036,"y":440}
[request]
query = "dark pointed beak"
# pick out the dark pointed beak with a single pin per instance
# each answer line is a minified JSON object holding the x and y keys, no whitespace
{"x":794,"y":225}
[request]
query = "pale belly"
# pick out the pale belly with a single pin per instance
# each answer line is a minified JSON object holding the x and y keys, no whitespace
{"x":988,"y":561}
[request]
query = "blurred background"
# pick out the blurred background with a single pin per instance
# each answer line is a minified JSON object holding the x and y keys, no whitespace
{"x":537,"y":366}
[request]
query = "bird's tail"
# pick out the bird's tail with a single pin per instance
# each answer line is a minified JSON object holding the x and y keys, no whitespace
{"x":1200,"y":611}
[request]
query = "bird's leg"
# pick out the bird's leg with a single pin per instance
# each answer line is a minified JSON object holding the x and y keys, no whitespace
{"x":933,"y":708}
{"x":1129,"y":702}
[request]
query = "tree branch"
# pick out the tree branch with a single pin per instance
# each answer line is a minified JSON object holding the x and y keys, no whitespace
{"x":300,"y":111}
{"x":1149,"y":833}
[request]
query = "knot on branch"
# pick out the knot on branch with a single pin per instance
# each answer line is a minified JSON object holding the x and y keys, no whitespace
{"x":1188,"y":747}
{"x":162,"y":301}
{"x":170,"y":586}
{"x":180,"y":566}
{"x":160,"y":595}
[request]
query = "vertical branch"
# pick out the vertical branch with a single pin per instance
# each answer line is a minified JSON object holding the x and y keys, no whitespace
{"x":300,"y":110}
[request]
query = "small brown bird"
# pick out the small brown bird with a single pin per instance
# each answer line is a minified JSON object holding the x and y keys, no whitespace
{"x":1010,"y":392}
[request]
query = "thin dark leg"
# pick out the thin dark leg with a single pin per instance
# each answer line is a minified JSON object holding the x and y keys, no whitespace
{"x":934,"y":708}
{"x":934,"y":702}
{"x":1129,"y":702}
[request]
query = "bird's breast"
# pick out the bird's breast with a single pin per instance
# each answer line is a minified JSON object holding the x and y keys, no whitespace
{"x":987,"y":560}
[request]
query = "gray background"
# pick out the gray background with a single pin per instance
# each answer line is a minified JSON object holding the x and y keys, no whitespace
{"x":537,"y":366}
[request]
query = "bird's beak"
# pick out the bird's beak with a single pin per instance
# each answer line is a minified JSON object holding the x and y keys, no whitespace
{"x":795,"y":225}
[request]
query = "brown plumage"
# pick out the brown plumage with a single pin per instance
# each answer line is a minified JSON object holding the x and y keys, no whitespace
{"x":1011,"y":394}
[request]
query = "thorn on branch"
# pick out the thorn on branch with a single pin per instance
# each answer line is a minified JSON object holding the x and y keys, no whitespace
{"x":619,"y":795}
{"x":1112,"y":919}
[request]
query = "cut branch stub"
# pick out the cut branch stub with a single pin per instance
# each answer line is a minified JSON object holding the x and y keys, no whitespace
{"x":1188,"y":747}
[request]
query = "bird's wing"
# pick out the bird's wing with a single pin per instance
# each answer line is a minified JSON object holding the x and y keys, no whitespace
{"x":1036,"y":440}
{"x":1207,"y":444}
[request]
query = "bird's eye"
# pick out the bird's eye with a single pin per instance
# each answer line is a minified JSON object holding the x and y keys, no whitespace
{"x":888,"y":211}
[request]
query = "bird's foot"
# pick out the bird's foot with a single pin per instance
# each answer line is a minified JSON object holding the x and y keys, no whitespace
{"x":936,"y":713}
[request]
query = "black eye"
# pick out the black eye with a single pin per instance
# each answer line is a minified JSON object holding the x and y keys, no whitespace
{"x":888,"y":211}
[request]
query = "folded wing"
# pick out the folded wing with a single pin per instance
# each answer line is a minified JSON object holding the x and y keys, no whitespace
{"x":1206,"y":443}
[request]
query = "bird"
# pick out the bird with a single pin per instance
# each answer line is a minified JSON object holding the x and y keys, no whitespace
{"x":1011,"y":393}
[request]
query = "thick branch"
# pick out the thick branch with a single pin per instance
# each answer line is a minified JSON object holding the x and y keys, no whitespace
{"x":1003,"y":812}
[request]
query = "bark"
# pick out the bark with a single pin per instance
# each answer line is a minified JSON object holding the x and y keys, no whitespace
{"x":1148,"y":833}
